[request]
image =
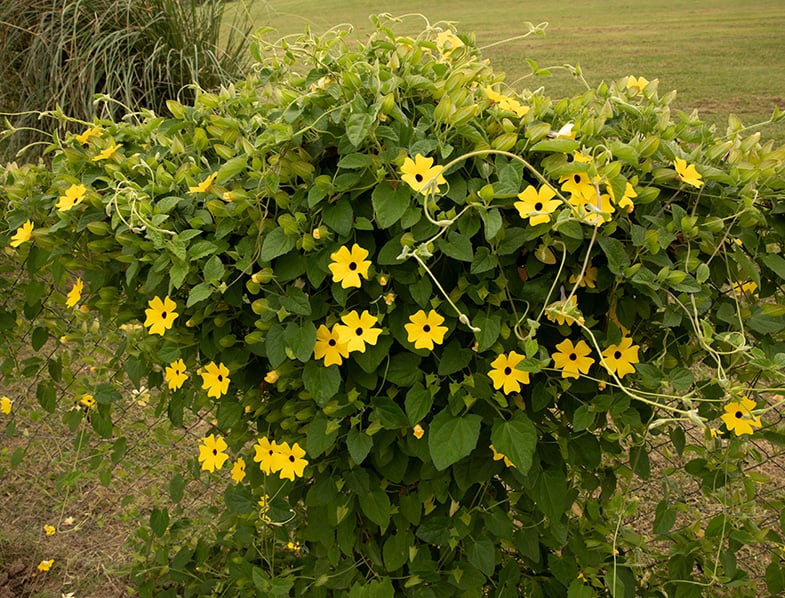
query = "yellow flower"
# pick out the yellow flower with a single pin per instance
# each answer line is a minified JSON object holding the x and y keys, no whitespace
{"x":448,"y":42}
{"x":738,"y":417}
{"x":688,"y":173}
{"x":425,"y":330}
{"x":505,"y":375}
{"x":589,"y":278}
{"x":596,"y":207}
{"x":497,"y":456}
{"x":294,"y":546}
{"x":88,"y":134}
{"x":330,"y":345}
{"x":389,"y":298}
{"x":625,"y":203}
{"x":175,"y":374}
{"x":87,"y":401}
{"x":46,"y":565}
{"x":580,"y":187}
{"x":49,"y":530}
{"x":215,"y":378}
{"x":211,"y":453}
{"x":238,"y":470}
{"x":204,"y":186}
{"x":347,"y":266}
{"x":619,"y":358}
{"x":638,"y":84}
{"x":107,"y":153}
{"x":418,"y":432}
{"x":23,"y":234}
{"x":289,"y":462}
{"x":271,"y":377}
{"x":75,"y":294}
{"x":358,"y":330}
{"x":493,"y":96}
{"x":515,"y":106}
{"x":74,"y":195}
{"x":536,"y":205}
{"x":572,"y":359}
{"x":421,"y":175}
{"x":265,"y":455}
{"x":160,"y":315}
{"x":264,"y":507}
{"x":560,"y":312}
{"x":5,"y":405}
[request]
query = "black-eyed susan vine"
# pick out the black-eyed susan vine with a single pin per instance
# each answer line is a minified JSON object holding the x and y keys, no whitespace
{"x":430,"y":320}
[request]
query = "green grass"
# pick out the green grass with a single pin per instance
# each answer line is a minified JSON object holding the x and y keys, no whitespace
{"x":722,"y":56}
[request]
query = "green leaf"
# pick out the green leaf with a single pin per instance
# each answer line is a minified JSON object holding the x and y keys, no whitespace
{"x":39,"y":337}
{"x":418,"y":403}
{"x":296,"y":302}
{"x":550,"y":493}
{"x":388,"y":414}
{"x":322,"y":382}
{"x":301,"y":338}
{"x":482,"y":554}
{"x":339,"y":217}
{"x":404,"y":369}
{"x":452,"y":438}
{"x":395,"y":551}
{"x":376,"y":507}
{"x":775,"y":578}
{"x":517,"y":440}
{"x":493,"y":223}
{"x":616,"y":254}
{"x":357,"y":127}
{"x":214,"y":270}
{"x":582,"y":418}
{"x":230,"y":168}
{"x":483,"y":261}
{"x":176,"y":488}
{"x":775,"y":263}
{"x":389,"y":203}
{"x":355,"y":161}
{"x":455,"y":357}
{"x":664,"y":518}
{"x":318,"y":440}
{"x":557,"y":146}
{"x":457,"y":246}
{"x":199,"y":293}
{"x":119,"y":448}
{"x":580,"y":589}
{"x":106,"y":393}
{"x":370,"y":359}
{"x":375,"y":589}
{"x":490,"y":328}
{"x":275,"y":244}
{"x":159,"y":521}
{"x":359,"y":445}
{"x":46,"y":395}
{"x":275,"y":343}
{"x":238,"y":499}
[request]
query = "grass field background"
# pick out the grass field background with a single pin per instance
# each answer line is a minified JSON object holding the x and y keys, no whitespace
{"x":722,"y":56}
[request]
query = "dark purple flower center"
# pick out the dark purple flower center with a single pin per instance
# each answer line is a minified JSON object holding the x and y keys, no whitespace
{"x":573,"y":357}
{"x":352,"y":266}
{"x":507,"y":371}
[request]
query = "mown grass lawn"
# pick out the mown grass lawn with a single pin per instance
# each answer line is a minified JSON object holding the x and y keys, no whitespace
{"x":723,"y":56}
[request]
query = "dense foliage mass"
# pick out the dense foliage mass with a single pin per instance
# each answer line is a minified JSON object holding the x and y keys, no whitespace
{"x":435,"y":321}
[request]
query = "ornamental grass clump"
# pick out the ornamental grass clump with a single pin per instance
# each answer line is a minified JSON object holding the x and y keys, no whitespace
{"x":136,"y":54}
{"x":442,"y":315}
